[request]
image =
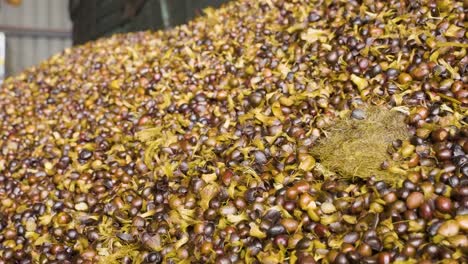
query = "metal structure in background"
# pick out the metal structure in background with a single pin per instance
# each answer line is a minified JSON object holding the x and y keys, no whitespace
{"x":34,"y":30}
{"x":2,"y":56}
{"x":94,"y":19}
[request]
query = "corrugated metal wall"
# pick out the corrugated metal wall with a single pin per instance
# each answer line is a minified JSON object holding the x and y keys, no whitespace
{"x":25,"y":49}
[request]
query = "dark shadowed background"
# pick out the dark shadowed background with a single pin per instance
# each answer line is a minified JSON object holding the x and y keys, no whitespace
{"x":93,"y":19}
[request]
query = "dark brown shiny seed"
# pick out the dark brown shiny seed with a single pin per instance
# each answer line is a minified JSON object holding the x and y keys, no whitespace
{"x":384,"y":258}
{"x":392,"y":73}
{"x":419,"y":73}
{"x":404,"y":78}
{"x":290,"y":225}
{"x":255,"y":98}
{"x":292,"y":193}
{"x":154,"y":257}
{"x":72,"y":234}
{"x":63,"y":218}
{"x":401,"y":228}
{"x":341,"y":259}
{"x":276,"y":230}
{"x":302,"y":186}
{"x":332,"y":57}
{"x":425,"y":211}
{"x":414,"y":200}
{"x":85,"y":154}
{"x":306,"y":260}
{"x":281,"y":240}
{"x":409,"y":251}
{"x":313,"y":17}
{"x":443,"y":204}
{"x":374,"y":243}
{"x":440,"y":135}
{"x":444,"y":154}
{"x":321,"y":230}
{"x":303,"y":244}
{"x":365,"y":250}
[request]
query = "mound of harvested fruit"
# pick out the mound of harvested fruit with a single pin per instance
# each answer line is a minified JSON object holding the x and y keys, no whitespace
{"x":271,"y":131}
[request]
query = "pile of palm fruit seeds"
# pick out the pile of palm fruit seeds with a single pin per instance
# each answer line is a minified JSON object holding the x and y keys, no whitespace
{"x":221,"y":141}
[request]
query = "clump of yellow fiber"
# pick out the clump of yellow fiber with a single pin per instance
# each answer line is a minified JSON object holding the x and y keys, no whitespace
{"x":356,"y":146}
